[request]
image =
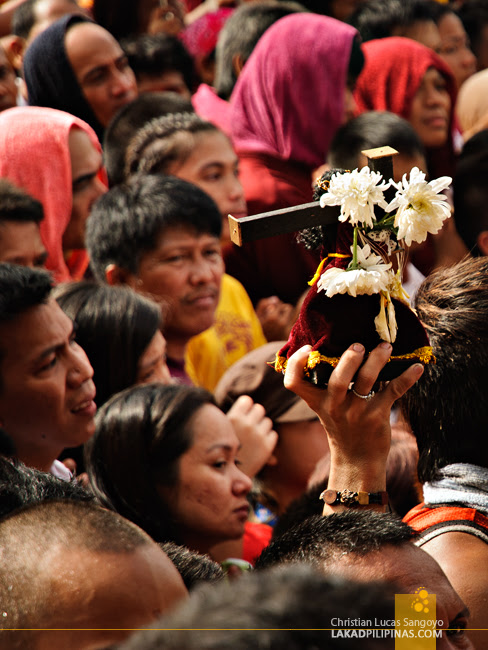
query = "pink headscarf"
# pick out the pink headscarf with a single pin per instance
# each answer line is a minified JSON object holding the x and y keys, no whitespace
{"x":34,"y":155}
{"x":288,"y":101}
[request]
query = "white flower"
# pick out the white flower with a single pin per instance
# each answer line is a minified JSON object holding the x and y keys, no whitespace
{"x":420,"y":207}
{"x":357,"y":193}
{"x":373,"y":276}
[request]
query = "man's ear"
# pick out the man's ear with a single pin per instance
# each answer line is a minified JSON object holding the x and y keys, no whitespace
{"x":14,"y":47}
{"x":237,"y":64}
{"x":482,"y":242}
{"x":115,"y":275}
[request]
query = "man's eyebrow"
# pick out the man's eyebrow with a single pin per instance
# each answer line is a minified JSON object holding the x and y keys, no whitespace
{"x":54,"y":348}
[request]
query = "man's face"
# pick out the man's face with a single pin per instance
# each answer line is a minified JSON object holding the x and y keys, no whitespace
{"x":184,"y":272}
{"x":47,"y":392}
{"x":114,"y":593}
{"x":86,"y":162}
{"x":20,"y":243}
{"x":101,"y":69}
{"x":411,"y":568}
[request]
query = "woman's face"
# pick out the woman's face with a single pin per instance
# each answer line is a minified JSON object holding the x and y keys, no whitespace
{"x":430,"y":110}
{"x":209,"y":500}
{"x":152,"y":366}
{"x":455,"y":49}
{"x":213,"y":166}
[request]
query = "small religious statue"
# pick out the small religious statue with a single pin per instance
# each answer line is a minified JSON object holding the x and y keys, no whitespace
{"x":356,"y":295}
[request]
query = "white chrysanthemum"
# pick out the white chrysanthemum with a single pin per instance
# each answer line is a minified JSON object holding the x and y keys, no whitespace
{"x":357,"y":193}
{"x":373,"y":276}
{"x":420,"y":206}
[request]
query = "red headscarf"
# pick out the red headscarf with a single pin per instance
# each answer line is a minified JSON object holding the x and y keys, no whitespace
{"x":288,"y":101}
{"x":393,"y":71}
{"x":35,"y":156}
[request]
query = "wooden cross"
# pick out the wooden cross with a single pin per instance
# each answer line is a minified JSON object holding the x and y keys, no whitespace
{"x":277,"y":222}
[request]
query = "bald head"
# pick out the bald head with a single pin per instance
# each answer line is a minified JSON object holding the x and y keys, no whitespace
{"x":75,"y":565}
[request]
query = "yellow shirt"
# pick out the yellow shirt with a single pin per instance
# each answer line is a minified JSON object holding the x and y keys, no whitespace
{"x":236,"y":332}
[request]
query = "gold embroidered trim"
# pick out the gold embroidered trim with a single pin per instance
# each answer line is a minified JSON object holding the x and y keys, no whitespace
{"x":424,"y":355}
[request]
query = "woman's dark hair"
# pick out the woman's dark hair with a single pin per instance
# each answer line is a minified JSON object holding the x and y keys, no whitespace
{"x":114,"y":326}
{"x":140,"y":436}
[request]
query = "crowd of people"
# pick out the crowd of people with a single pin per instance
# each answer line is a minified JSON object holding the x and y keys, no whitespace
{"x":170,"y":458}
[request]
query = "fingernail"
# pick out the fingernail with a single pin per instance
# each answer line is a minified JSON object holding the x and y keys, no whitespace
{"x":419,"y":369}
{"x":385,"y":345}
{"x":357,"y":347}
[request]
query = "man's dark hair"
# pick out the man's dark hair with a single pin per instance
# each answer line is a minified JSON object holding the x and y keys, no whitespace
{"x":128,"y":120}
{"x":382,"y":18}
{"x":318,"y":539}
{"x":474,"y":16}
{"x":22,"y":486}
{"x":368,"y":131}
{"x":24,"y":17}
{"x":240,"y":34}
{"x":193,"y":567}
{"x":447,"y":407}
{"x":17,"y":205}
{"x":126,"y":222}
{"x":20,"y":289}
{"x":470,"y":191}
{"x":151,"y":55}
{"x":288,"y":608}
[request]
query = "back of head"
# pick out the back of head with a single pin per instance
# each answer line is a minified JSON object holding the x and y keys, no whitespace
{"x":25,"y":17}
{"x":239,"y":36}
{"x":151,"y":55}
{"x":114,"y":325}
{"x":20,"y":289}
{"x":193,"y":567}
{"x":31,"y":539}
{"x":17,"y":205}
{"x":287,"y":608}
{"x":121,"y":19}
{"x":22,"y":486}
{"x":470,"y":193}
{"x":368,"y":131}
{"x":126,"y":221}
{"x":321,"y":540}
{"x":163,"y":141}
{"x":141,"y":433}
{"x":446,"y":408}
{"x":128,"y":120}
{"x":383,"y":18}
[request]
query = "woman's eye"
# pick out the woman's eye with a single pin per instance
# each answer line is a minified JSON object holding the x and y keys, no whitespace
{"x":220,"y":464}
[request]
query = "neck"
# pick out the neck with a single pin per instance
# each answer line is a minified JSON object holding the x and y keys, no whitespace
{"x":38,"y":459}
{"x":176,"y":348}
